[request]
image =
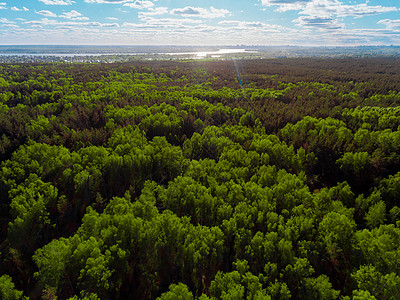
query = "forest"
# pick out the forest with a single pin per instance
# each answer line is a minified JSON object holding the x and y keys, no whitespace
{"x":200,"y":179}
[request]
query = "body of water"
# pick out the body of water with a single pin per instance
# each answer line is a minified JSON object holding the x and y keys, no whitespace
{"x":198,"y":54}
{"x":218,"y":53}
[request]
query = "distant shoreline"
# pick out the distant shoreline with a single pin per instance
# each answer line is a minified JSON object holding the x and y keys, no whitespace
{"x":110,"y":54}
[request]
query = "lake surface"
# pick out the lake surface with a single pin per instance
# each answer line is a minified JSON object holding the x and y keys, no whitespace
{"x":72,"y":52}
{"x":218,"y":53}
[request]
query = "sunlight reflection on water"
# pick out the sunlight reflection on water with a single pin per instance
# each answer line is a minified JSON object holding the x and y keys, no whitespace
{"x":218,"y":53}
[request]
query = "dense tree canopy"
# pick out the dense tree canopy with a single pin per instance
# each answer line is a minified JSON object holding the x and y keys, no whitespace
{"x":169,"y":180}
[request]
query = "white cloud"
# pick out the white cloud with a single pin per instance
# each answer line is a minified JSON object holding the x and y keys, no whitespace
{"x":46,"y":13}
{"x":282,"y":2}
{"x":286,"y":5}
{"x":191,"y":32}
{"x":48,"y":22}
{"x":154,"y":12}
{"x":390,"y":24}
{"x":19,"y":9}
{"x":57,"y":2}
{"x":42,"y":22}
{"x":291,"y":6}
{"x":108,"y":1}
{"x":318,"y":22}
{"x":324,"y":14}
{"x":328,"y":7}
{"x":138,"y":4}
{"x":162,"y":23}
{"x":337,"y":8}
{"x":6,"y":21}
{"x":360,"y":10}
{"x":153,"y":26}
{"x":200,"y":12}
{"x":10,"y":25}
{"x":109,"y":25}
{"x":73,"y":15}
{"x":250,"y":25}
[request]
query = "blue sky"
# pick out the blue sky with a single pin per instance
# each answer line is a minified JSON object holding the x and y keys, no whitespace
{"x":200,"y":22}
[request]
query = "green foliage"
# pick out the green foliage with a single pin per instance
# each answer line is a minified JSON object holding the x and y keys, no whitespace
{"x":86,"y":297}
{"x":362,"y":295}
{"x":373,"y":283}
{"x":337,"y":233}
{"x":355,"y":164}
{"x":376,"y":215}
{"x":8,"y":290}
{"x":165,"y":179}
{"x":29,"y":208}
{"x":380,"y":247}
{"x":177,"y":291}
{"x":320,"y":288}
{"x":237,"y":285}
